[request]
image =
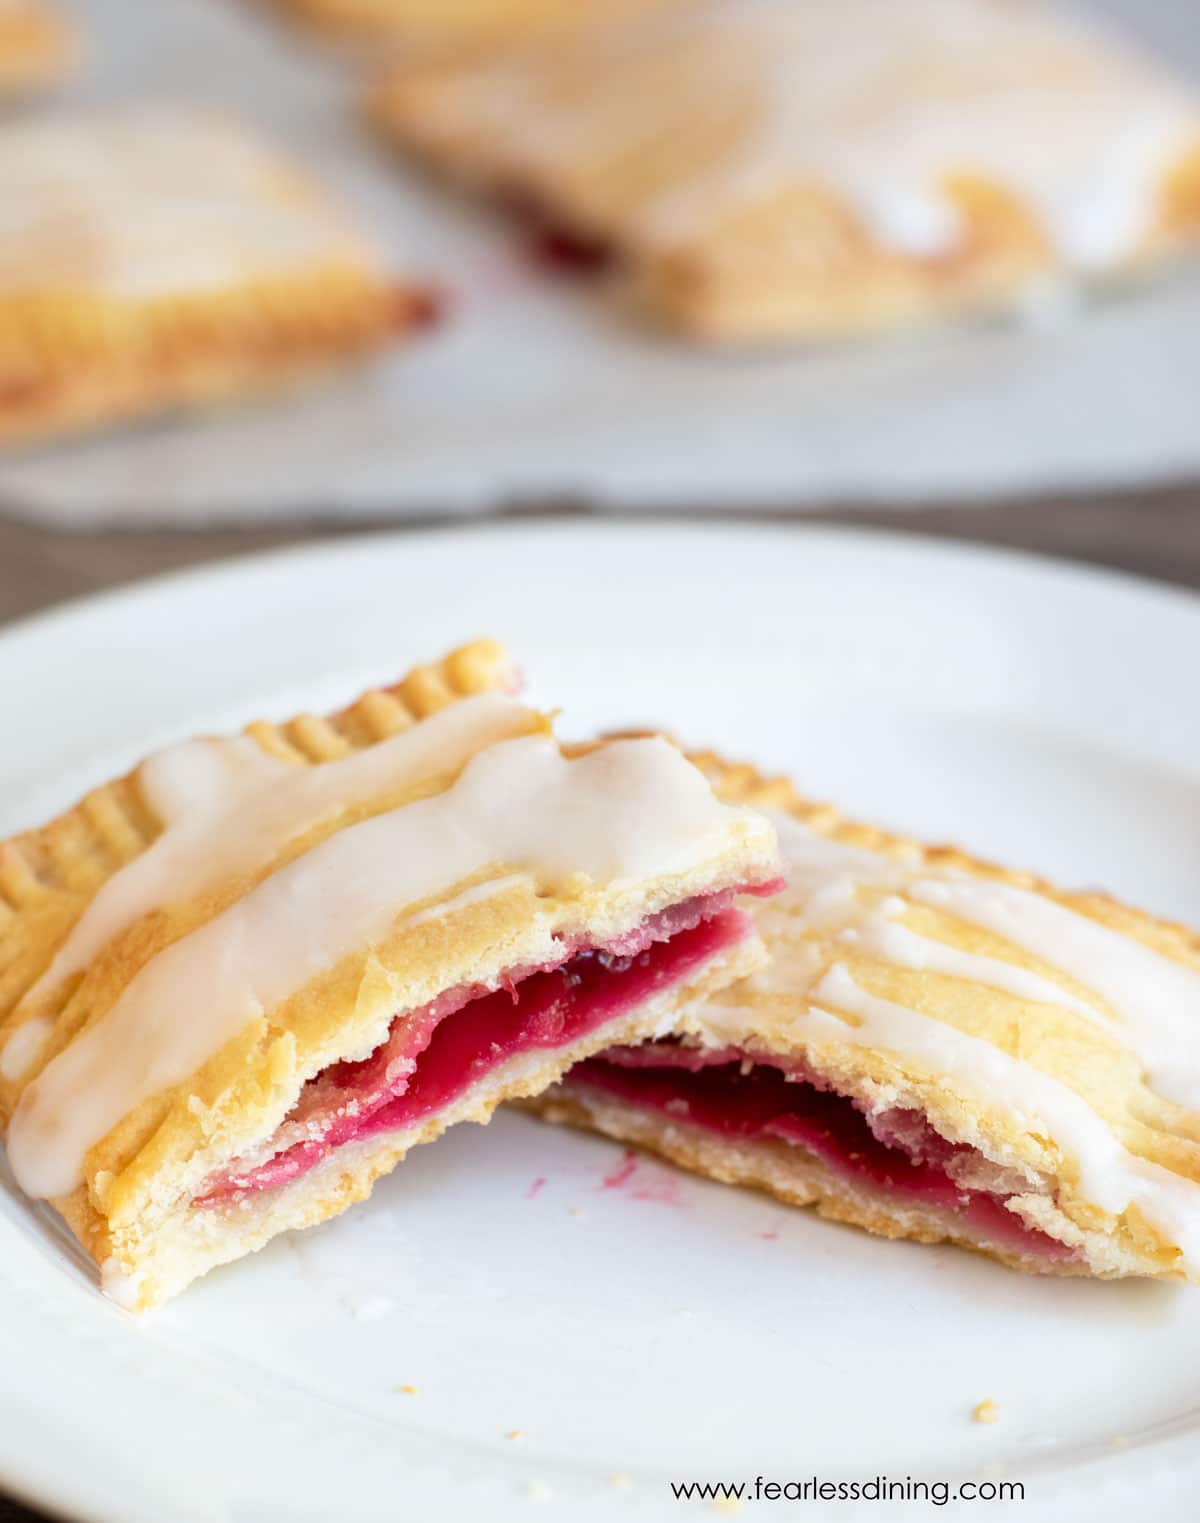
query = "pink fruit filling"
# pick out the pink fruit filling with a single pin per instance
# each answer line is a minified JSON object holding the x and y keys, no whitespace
{"x":554,"y":243}
{"x":558,"y":248}
{"x":895,"y":1153}
{"x":433,"y":1055}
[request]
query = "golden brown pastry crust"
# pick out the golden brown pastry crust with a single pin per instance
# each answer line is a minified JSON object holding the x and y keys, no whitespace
{"x":86,"y":343}
{"x":628,"y":127}
{"x":1092,"y":1063}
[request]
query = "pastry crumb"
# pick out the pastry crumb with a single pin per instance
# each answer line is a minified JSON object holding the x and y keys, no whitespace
{"x":619,"y":1481}
{"x":538,"y":1491}
{"x":986,"y":1412}
{"x":514,"y":1433}
{"x":407,"y":1390}
{"x":727,"y":1505}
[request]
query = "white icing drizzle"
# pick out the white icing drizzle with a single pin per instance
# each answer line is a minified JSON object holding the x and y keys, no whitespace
{"x":154,"y":202}
{"x":228,"y":808}
{"x":815,"y":860}
{"x":823,"y":878}
{"x":1156,"y":998}
{"x":20,"y":1051}
{"x":1110,"y":1176}
{"x":1146,"y":1001}
{"x":616,"y":815}
{"x":881,"y":101}
{"x":881,"y":937}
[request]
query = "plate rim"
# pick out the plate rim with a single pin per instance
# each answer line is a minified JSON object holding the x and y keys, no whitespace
{"x":347,"y":545}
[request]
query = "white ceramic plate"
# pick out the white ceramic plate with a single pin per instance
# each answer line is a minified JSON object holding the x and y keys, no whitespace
{"x":664,"y":1329}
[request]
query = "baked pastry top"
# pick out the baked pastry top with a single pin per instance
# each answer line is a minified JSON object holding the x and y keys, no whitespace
{"x":37,"y":46}
{"x":238,"y":984}
{"x":940,"y":1049}
{"x":762,"y":170}
{"x":159,"y":256}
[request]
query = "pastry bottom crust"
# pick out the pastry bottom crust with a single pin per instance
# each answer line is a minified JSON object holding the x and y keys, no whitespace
{"x":80,"y":367}
{"x":794,"y":1176}
{"x":141,"y":1268}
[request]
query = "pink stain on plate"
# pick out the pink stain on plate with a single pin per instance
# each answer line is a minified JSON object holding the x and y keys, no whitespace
{"x":649,"y":1184}
{"x":622,"y":1174}
{"x":536,"y":1188}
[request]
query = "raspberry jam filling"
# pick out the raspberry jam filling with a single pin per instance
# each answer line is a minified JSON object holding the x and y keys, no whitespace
{"x":896,"y":1153}
{"x":433,"y":1055}
{"x":556,"y":247}
{"x":553,"y":243}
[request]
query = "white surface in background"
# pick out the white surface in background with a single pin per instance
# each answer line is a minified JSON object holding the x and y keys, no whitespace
{"x":536,"y":391}
{"x":671,"y":1329}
